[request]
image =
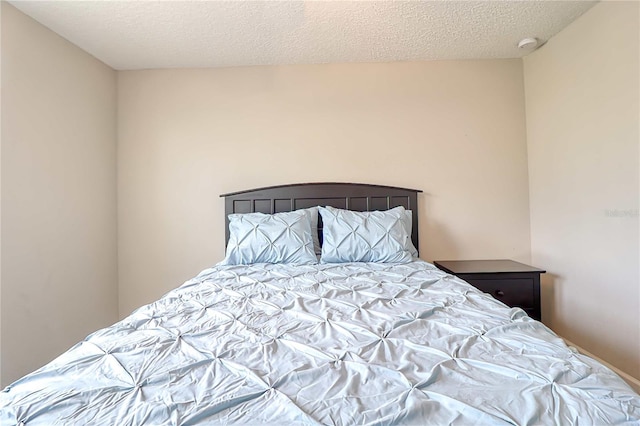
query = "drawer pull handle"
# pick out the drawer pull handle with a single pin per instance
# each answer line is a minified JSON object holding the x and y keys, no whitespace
{"x":499,"y":293}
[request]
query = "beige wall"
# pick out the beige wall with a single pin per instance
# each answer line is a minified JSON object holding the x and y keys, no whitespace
{"x":582,"y":127}
{"x":455,"y":129}
{"x":1,"y":381}
{"x":59,"y":262}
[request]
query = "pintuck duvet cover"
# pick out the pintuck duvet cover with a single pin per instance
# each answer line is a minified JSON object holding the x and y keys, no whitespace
{"x":343,"y":344}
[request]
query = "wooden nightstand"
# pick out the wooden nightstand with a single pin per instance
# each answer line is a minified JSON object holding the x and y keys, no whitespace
{"x":513,"y":283}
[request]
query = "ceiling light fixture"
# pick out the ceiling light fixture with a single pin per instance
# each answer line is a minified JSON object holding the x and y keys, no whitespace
{"x":528,"y":43}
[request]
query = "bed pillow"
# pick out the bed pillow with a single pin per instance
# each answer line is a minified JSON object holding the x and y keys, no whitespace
{"x":378,"y":236}
{"x":314,"y":229}
{"x":408,"y":225}
{"x":270,"y":238}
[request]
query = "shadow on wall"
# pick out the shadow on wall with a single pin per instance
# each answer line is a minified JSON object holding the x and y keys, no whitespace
{"x":547,"y":297}
{"x":435,"y":242}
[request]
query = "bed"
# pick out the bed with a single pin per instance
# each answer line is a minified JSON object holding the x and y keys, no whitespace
{"x":346,"y":326}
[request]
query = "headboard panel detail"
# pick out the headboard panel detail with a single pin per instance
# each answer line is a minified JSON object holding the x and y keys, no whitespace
{"x":350,"y":196}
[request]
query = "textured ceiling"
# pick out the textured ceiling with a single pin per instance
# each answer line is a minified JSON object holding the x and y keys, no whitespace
{"x":167,"y":34}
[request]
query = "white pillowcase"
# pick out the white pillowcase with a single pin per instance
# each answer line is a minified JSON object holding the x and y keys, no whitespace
{"x":313,"y":211}
{"x":378,"y":236}
{"x":270,"y":238}
{"x":408,"y":225}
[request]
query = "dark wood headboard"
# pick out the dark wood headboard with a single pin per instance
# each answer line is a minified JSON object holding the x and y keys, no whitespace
{"x":350,"y":196}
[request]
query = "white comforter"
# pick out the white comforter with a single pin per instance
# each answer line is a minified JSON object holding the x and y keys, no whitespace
{"x":323,"y":344}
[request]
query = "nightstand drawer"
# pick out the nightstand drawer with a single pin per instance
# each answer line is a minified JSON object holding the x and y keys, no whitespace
{"x":518,"y":292}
